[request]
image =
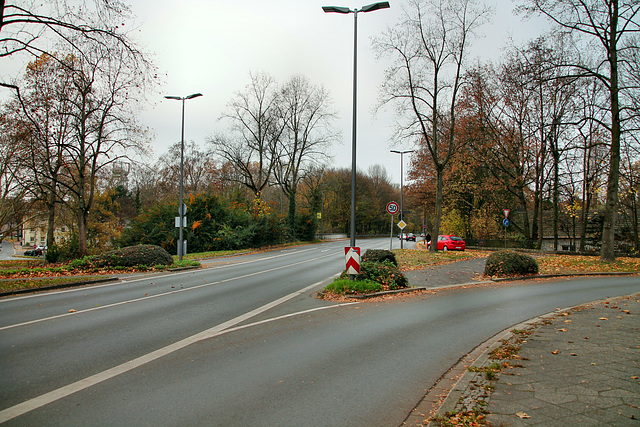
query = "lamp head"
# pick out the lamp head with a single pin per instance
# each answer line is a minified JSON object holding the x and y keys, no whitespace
{"x":375,"y":6}
{"x":336,"y":9}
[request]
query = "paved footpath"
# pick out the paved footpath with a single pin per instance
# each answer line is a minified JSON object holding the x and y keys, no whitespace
{"x":575,"y":367}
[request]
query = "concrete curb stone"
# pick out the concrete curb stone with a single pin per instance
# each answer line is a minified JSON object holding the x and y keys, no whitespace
{"x":580,"y":365}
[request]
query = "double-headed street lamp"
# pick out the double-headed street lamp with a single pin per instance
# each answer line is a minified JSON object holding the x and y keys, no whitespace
{"x":346,"y":10}
{"x":402,"y":153}
{"x":181,"y":209}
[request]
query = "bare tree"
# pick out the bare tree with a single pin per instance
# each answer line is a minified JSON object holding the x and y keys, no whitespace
{"x":12,"y":177}
{"x":256,"y":130}
{"x":608,"y":30}
{"x":47,"y":85}
{"x":107,"y":81}
{"x":200,"y":171}
{"x":306,"y":114}
{"x":31,"y":28}
{"x":430,"y":48}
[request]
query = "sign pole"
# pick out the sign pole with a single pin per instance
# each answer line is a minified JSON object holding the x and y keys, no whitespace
{"x":391,"y":235}
{"x":506,"y":224}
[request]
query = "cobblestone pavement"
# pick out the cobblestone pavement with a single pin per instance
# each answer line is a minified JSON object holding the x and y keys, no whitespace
{"x":575,"y":367}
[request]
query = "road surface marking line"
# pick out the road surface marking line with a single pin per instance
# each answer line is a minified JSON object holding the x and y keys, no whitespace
{"x":102,"y":307}
{"x":52,"y":396}
{"x":179,"y":273}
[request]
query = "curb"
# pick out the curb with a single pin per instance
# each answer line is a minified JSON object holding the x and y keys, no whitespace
{"x":447,"y":392}
{"x":60,"y":286}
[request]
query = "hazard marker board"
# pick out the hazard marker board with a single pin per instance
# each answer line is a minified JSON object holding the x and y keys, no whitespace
{"x":352,"y":259}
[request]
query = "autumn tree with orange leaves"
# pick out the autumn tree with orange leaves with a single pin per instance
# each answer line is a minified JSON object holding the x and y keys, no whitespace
{"x":429,"y":49}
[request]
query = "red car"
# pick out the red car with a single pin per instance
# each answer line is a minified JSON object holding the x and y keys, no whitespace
{"x":450,"y":243}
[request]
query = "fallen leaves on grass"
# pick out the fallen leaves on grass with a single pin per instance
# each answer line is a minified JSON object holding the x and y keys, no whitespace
{"x":568,"y":264}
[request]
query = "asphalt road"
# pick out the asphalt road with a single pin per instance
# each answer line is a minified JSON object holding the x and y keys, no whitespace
{"x":6,"y":250}
{"x":245,"y":343}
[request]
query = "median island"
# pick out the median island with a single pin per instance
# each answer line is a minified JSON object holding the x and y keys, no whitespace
{"x":383,"y":272}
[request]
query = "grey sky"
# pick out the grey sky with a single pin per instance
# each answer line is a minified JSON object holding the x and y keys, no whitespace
{"x":210,"y":46}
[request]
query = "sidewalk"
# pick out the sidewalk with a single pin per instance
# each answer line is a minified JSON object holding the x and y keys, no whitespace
{"x":575,"y":367}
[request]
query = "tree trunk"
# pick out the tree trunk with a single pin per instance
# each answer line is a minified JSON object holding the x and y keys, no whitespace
{"x":292,"y":213}
{"x":82,"y":232}
{"x":438,"y":216}
{"x":610,"y":209}
{"x":51,"y":207}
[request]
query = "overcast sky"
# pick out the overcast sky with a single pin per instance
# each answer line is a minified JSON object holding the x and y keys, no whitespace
{"x":210,"y":46}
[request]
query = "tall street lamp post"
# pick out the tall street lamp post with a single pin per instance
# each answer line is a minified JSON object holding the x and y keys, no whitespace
{"x":346,"y":10}
{"x":402,"y":153}
{"x":181,"y":210}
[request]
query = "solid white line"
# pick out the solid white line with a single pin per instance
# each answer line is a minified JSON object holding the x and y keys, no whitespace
{"x":160,"y":276}
{"x":52,"y":396}
{"x":102,"y":307}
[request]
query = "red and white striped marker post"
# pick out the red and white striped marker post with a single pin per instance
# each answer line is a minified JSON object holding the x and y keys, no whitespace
{"x":352,"y":258}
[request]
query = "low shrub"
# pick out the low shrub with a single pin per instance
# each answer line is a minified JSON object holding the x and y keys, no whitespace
{"x":53,"y":253}
{"x":139,"y":255}
{"x":509,"y":263}
{"x":385,"y":273}
{"x":379,"y":255}
{"x":373,"y":277}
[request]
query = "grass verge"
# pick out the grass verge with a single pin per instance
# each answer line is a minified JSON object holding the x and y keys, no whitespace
{"x":569,"y":264}
{"x":350,"y":287}
{"x":411,"y":259}
{"x":12,"y":285}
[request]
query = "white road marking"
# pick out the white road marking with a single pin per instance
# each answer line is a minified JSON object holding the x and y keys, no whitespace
{"x":223,"y":328}
{"x":173,"y":274}
{"x":102,"y":307}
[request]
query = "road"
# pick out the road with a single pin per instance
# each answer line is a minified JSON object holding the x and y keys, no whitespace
{"x":6,"y":250}
{"x":244,"y":342}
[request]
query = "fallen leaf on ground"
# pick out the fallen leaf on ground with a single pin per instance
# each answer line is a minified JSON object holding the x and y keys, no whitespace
{"x":72,"y":311}
{"x":562,"y":330}
{"x":603,"y":318}
{"x":555,"y":352}
{"x":522,"y":415}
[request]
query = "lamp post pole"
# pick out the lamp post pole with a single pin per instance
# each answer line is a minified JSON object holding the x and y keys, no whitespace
{"x":181,"y":210}
{"x":346,"y":10}
{"x":402,"y":153}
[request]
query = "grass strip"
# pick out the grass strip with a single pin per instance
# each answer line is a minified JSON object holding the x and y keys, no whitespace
{"x":12,"y":285}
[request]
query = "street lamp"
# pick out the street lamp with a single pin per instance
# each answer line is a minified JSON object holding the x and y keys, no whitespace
{"x":402,"y":153}
{"x":346,"y":10}
{"x":181,"y":210}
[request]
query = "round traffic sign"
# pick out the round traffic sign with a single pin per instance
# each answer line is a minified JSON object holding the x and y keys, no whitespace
{"x":392,"y":208}
{"x":505,"y":222}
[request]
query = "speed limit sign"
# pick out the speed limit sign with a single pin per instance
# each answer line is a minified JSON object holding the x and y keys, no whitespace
{"x":392,"y":208}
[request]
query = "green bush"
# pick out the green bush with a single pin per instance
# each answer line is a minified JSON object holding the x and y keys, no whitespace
{"x":379,"y":255}
{"x":148,"y":255}
{"x":384,"y":273}
{"x":53,"y":253}
{"x":509,"y":263}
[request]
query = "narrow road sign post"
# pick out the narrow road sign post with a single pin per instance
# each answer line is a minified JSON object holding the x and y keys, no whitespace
{"x":505,"y":222}
{"x":392,"y":209}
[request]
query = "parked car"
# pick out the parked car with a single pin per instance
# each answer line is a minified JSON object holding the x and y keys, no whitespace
{"x":30,"y":252}
{"x":40,"y":249}
{"x":450,"y":243}
{"x":410,"y":237}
